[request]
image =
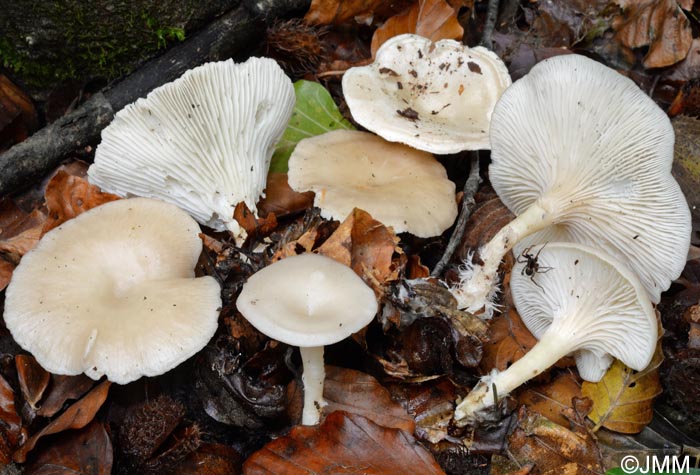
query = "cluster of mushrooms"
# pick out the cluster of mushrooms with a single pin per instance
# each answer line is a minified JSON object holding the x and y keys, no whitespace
{"x":579,"y":154}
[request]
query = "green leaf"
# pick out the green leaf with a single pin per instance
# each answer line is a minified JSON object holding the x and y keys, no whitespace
{"x":314,"y":113}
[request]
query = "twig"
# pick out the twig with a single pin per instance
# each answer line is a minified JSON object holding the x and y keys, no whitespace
{"x":490,"y":25}
{"x":470,"y":188}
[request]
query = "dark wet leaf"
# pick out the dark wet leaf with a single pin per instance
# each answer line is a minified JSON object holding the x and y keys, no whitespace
{"x":63,"y":389}
{"x":11,"y":431}
{"x":33,"y":379}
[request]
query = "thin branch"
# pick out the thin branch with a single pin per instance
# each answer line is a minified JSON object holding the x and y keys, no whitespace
{"x":470,"y":188}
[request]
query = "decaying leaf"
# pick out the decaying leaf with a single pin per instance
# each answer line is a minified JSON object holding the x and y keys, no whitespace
{"x":19,"y":231}
{"x":254,"y":226}
{"x":487,"y":218}
{"x":68,"y":195}
{"x":342,"y":444}
{"x":84,"y":452}
{"x":212,"y":459}
{"x":62,"y":389}
{"x":33,"y":379}
{"x":18,"y":118}
{"x":659,"y":24}
{"x":315,"y":113}
{"x":11,"y":431}
{"x":552,"y":399}
{"x":281,"y":200}
{"x":623,"y":400}
{"x":686,"y":165}
{"x":432,"y":19}
{"x":76,"y":416}
{"x":510,"y":340}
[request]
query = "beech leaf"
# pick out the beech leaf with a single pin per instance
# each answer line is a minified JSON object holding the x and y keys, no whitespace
{"x":314,"y":113}
{"x":510,"y":340}
{"x":343,"y":444}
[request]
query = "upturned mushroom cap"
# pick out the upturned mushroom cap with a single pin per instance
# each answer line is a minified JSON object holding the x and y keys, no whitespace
{"x":307,"y":300}
{"x":578,"y":300}
{"x":113,"y":292}
{"x":594,"y":151}
{"x":436,"y":97}
{"x":203,"y":142}
{"x":399,"y":186}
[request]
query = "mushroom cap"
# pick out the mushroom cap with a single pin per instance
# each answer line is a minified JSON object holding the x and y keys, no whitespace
{"x":436,"y":97}
{"x":113,"y":292}
{"x":398,"y":185}
{"x":599,"y":149}
{"x":307,"y":300}
{"x":203,"y":142}
{"x":590,"y":298}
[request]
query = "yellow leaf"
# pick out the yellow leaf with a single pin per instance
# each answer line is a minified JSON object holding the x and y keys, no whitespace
{"x":623,"y":399}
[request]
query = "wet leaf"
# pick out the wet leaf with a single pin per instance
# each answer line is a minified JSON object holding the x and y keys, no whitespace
{"x":552,"y":399}
{"x":33,"y":379}
{"x":67,"y":196}
{"x":623,"y":400}
{"x":342,"y":444}
{"x":686,"y":165}
{"x":11,"y":432}
{"x":432,"y":19}
{"x":510,"y":340}
{"x":659,"y":24}
{"x":281,"y":200}
{"x":84,"y":452}
{"x":314,"y":113}
{"x":76,"y":416}
{"x":62,"y":389}
{"x":18,"y":118}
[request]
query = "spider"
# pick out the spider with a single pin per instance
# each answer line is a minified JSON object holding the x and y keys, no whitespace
{"x":531,"y":266}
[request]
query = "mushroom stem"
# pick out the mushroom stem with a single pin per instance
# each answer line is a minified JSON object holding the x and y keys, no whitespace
{"x":314,"y":374}
{"x":551,"y":348}
{"x":478,"y":281}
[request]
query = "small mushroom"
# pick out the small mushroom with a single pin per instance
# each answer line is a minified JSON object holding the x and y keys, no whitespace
{"x":436,"y":97}
{"x":112,"y":292}
{"x":203,"y":142}
{"x":582,"y":302}
{"x":308,"y":301}
{"x":402,"y":187}
{"x":581,"y":154}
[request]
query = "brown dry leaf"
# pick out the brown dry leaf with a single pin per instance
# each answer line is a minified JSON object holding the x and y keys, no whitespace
{"x":211,"y":459}
{"x":365,"y":245}
{"x":551,"y":448}
{"x":553,"y":398}
{"x":359,"y":393}
{"x":84,"y":452}
{"x":659,"y":24}
{"x":19,"y":231}
{"x":488,"y":217}
{"x":281,"y":200}
{"x":510,"y":340}
{"x":11,"y":431}
{"x":33,"y":379}
{"x":686,"y":164}
{"x":304,"y":244}
{"x":6,"y":269}
{"x":76,"y":416}
{"x":623,"y":400}
{"x":343,"y":444}
{"x":67,"y":196}
{"x":326,"y":12}
{"x":18,"y":118}
{"x":433,"y":19}
{"x":252,"y":225}
{"x":62,"y":389}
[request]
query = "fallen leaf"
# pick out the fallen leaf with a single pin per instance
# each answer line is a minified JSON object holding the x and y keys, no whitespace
{"x":355,"y":392}
{"x":33,"y":379}
{"x":510,"y":340}
{"x":253,"y":225}
{"x":6,"y":269}
{"x":365,"y":245}
{"x":326,"y":12}
{"x":76,"y":416}
{"x":315,"y":113}
{"x":487,"y":218}
{"x":432,"y":19}
{"x":84,"y":452}
{"x":659,"y":24}
{"x":62,"y":389}
{"x":18,"y":118}
{"x":623,"y":400}
{"x":11,"y":431}
{"x":342,"y":444}
{"x":553,"y":398}
{"x":281,"y":200}
{"x":212,"y":459}
{"x":67,"y":196}
{"x":19,"y":231}
{"x":686,"y":165}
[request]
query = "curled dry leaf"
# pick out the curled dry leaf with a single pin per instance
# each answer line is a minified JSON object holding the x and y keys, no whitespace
{"x":67,"y":196}
{"x":76,"y":416}
{"x":343,"y":444}
{"x":487,"y":218}
{"x":84,"y":452}
{"x":62,"y":389}
{"x":19,"y":231}
{"x":33,"y":379}
{"x":281,"y":200}
{"x":552,"y":399}
{"x":11,"y":431}
{"x":659,"y":24}
{"x":623,"y":400}
{"x":254,"y":226}
{"x":432,"y":19}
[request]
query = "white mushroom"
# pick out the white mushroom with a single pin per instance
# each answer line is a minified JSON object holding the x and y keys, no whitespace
{"x":581,"y":154}
{"x":436,"y":97}
{"x":308,"y":301}
{"x":402,"y":187}
{"x":203,"y":142}
{"x":113,"y":292}
{"x":579,"y":301}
